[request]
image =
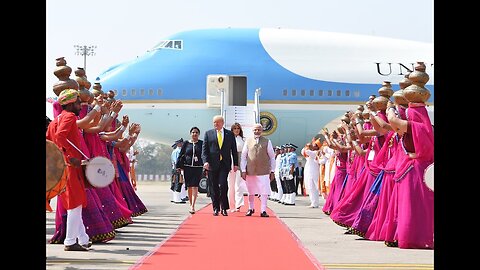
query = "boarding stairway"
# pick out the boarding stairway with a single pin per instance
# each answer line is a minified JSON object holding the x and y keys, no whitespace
{"x":246,"y":116}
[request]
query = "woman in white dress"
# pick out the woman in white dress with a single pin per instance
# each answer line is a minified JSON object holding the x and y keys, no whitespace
{"x":236,"y":185}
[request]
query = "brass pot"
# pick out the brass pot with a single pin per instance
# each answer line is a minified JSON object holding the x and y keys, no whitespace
{"x":380,"y":103}
{"x":97,"y":86}
{"x":65,"y":84}
{"x":62,"y":72}
{"x":419,"y":76}
{"x":80,"y":72}
{"x":60,"y":61}
{"x":416,"y":93}
{"x":399,"y":98}
{"x":84,"y":94}
{"x":386,"y":89}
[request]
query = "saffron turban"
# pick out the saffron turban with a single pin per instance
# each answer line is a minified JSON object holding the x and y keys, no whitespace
{"x":67,"y":96}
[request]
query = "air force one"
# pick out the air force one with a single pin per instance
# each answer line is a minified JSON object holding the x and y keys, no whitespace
{"x":294,"y":82}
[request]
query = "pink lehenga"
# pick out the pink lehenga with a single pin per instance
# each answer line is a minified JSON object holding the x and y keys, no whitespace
{"x":372,"y":190}
{"x":347,"y":210}
{"x":118,"y":214}
{"x":337,"y":183}
{"x":415,"y":225}
{"x":133,"y":201}
{"x":379,"y":219}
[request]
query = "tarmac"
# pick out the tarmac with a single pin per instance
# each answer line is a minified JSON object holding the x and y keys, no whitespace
{"x":319,"y":235}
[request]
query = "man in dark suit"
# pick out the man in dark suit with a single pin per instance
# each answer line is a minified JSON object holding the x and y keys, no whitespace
{"x":218,"y":149}
{"x":299,"y":179}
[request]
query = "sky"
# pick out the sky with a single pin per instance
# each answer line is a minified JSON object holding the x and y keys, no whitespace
{"x":124,"y":29}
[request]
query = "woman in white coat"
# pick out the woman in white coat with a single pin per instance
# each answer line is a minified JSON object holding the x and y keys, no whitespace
{"x":236,"y":185}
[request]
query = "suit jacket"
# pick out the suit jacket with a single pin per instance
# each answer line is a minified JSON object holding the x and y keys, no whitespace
{"x":211,"y":150}
{"x":299,"y":171}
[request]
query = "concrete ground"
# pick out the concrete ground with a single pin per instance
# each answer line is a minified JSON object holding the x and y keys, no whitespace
{"x":324,"y":239}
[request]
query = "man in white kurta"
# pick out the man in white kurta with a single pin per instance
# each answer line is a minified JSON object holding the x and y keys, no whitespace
{"x":311,"y":172}
{"x":257,"y":166}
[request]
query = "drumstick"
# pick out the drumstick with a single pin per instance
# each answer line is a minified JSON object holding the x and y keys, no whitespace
{"x":77,"y":149}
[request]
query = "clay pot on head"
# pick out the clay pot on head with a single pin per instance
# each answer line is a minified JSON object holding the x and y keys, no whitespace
{"x":416,"y":93}
{"x":60,"y":61}
{"x":84,"y":94}
{"x":366,"y":114}
{"x":97,"y":86}
{"x":419,"y":76}
{"x":399,"y":98}
{"x":80,"y":72}
{"x":405,"y":82}
{"x":386,"y":89}
{"x":380,"y":103}
{"x":65,"y":84}
{"x":62,"y":72}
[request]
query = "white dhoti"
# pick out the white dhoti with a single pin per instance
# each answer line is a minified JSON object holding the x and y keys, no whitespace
{"x":258,"y":184}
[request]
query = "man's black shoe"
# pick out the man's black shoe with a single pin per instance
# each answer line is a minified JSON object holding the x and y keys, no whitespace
{"x":250,"y":212}
{"x":75,"y":247}
{"x":224,"y":212}
{"x":215,"y":212}
{"x":264,"y":214}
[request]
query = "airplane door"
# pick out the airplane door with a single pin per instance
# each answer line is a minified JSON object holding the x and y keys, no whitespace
{"x":237,"y":91}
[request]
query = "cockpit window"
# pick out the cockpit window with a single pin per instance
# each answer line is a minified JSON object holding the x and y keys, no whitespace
{"x":169,"y":44}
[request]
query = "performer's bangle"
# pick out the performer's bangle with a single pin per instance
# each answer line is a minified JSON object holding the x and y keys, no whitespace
{"x":122,"y":128}
{"x":97,"y":108}
{"x":128,"y":137}
{"x":113,"y":114}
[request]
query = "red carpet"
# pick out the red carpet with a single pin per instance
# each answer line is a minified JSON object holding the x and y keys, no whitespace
{"x":204,"y":241}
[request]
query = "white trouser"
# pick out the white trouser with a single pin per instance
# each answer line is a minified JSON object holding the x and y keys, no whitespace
{"x":75,"y":228}
{"x":279,"y":187}
{"x":311,"y":184}
{"x":176,"y":196}
{"x":183,"y":192}
{"x":236,"y":188}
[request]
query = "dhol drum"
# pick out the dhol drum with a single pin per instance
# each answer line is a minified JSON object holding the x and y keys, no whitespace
{"x":428,"y":176}
{"x":99,"y":171}
{"x":55,"y":165}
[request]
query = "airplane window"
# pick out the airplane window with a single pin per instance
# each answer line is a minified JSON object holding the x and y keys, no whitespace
{"x":302,"y":93}
{"x":115,"y":91}
{"x":312,"y":92}
{"x":294,"y":92}
{"x":142,"y":92}
{"x":320,"y":92}
{"x":347,"y":93}
{"x":134,"y":92}
{"x":356,"y":93}
{"x":285,"y":92}
{"x":339,"y":93}
{"x":150,"y":92}
{"x":124,"y":92}
{"x":159,"y":92}
{"x":329,"y":93}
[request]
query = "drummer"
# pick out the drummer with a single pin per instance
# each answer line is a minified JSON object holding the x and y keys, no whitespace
{"x":63,"y":131}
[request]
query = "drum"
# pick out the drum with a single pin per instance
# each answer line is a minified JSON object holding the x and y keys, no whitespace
{"x":428,"y":176}
{"x":99,"y":171}
{"x":55,"y":165}
{"x":59,"y":187}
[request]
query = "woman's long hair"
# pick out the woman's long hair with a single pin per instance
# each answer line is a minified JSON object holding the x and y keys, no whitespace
{"x":237,"y":125}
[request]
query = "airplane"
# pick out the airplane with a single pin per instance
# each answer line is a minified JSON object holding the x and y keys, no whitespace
{"x":294,"y":82}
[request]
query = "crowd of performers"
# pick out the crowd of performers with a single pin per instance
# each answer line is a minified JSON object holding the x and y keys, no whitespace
{"x":104,"y":133}
{"x":370,"y":172}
